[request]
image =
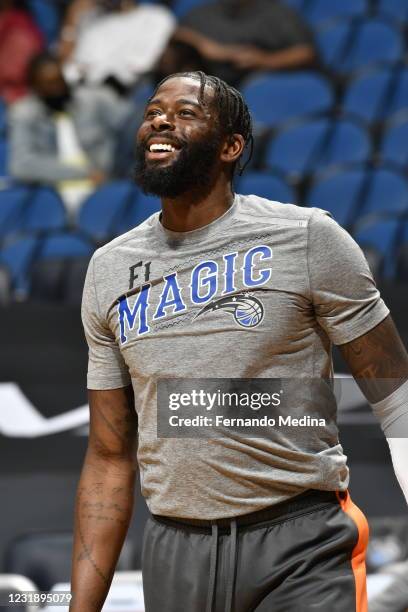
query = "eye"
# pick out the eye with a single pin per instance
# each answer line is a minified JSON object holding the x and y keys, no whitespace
{"x":153,"y":112}
{"x":187,"y":112}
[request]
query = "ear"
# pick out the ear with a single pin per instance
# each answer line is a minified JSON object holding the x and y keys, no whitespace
{"x":233,"y":148}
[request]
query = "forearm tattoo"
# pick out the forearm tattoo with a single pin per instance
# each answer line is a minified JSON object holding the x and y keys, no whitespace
{"x":378,"y":361}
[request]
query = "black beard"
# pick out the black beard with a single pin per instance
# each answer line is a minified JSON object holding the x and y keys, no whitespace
{"x":190,"y":171}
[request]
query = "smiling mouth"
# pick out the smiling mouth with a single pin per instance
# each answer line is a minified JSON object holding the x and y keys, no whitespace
{"x":157,"y":151}
{"x":161,"y":148}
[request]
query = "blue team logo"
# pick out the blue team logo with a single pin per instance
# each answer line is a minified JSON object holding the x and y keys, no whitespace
{"x":246,"y":309}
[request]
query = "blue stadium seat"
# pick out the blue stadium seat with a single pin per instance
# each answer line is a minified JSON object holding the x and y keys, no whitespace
{"x":182,"y":7}
{"x":58,"y":269}
{"x":387,"y":193}
{"x":44,"y":212}
{"x":396,"y":9}
{"x":402,"y":253}
{"x":64,"y":244}
{"x":20,"y":254}
{"x":317,"y":11}
{"x":276,"y":98}
{"x":331,"y":41}
{"x":399,"y":99}
{"x":101,"y":213}
{"x":394,"y":147}
{"x":3,"y":117}
{"x":265,"y":186}
{"x":404,"y":233}
{"x":29,"y":210}
{"x":337,"y":191}
{"x":381,"y":235}
{"x":3,"y":157}
{"x":312,"y":145}
{"x":142,"y":93}
{"x":45,"y":13}
{"x":377,"y":94}
{"x":142,"y":207}
{"x":356,"y":193}
{"x":348,"y":46}
{"x":17,"y":257}
{"x":12,"y":204}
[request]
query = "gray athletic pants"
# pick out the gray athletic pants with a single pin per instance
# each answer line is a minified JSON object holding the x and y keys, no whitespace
{"x":304,"y":555}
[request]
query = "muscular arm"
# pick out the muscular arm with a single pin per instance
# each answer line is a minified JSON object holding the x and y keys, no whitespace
{"x":377,"y":360}
{"x":379,"y":364}
{"x":104,"y":501}
{"x":293,"y":57}
{"x":247,"y":56}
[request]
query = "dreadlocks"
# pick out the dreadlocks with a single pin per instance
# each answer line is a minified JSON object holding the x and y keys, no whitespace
{"x":233,"y":113}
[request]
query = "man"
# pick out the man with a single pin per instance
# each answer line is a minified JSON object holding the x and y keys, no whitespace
{"x":115,"y":40}
{"x":237,"y":37}
{"x":64,"y":137}
{"x":222,"y":286}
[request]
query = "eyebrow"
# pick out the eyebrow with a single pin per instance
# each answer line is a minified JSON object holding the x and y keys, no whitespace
{"x":179,"y":101}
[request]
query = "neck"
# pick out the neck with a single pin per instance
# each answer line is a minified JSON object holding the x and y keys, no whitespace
{"x":193,"y":210}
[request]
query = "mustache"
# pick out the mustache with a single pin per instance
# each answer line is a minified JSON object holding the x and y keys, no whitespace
{"x":177,"y":142}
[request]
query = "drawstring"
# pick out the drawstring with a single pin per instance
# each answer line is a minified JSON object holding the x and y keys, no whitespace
{"x":213,"y":566}
{"x":232,"y":566}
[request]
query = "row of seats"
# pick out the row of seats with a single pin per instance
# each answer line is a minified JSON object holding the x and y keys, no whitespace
{"x":110,"y":211}
{"x":307,"y":147}
{"x":346,"y":46}
{"x":309,"y":138}
{"x":349,"y":192}
{"x":315,"y":12}
{"x":371,"y":203}
{"x":371,"y":96}
{"x":53,"y":266}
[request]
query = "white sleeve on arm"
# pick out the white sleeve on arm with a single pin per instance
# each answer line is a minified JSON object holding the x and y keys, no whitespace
{"x":392,"y":413}
{"x":399,"y":457}
{"x":346,"y":300}
{"x":106,"y":366}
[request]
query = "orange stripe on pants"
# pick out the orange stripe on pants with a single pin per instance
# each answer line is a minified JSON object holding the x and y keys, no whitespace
{"x":359,"y":551}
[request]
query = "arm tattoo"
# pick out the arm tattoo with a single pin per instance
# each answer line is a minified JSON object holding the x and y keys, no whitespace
{"x":86,"y":550}
{"x":88,"y":509}
{"x":378,"y":361}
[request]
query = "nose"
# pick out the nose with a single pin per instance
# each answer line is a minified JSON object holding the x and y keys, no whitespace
{"x":161,"y":123}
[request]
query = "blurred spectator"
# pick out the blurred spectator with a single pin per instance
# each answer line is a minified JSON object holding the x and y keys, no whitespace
{"x":20,"y":40}
{"x":237,"y":37}
{"x":113,"y":39}
{"x":64,"y":137}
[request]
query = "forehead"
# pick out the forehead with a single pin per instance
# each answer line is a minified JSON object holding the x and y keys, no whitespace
{"x":186,"y":88}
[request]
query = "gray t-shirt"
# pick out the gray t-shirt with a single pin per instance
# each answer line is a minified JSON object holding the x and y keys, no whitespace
{"x":142,"y":294}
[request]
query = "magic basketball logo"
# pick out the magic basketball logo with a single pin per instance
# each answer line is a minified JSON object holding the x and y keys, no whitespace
{"x":246,"y":309}
{"x":220,"y":284}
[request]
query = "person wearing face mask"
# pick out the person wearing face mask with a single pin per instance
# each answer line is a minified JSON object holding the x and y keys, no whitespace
{"x":65,"y":137}
{"x":238,"y":37}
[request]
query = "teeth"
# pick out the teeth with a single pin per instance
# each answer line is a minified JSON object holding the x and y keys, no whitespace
{"x":161,"y":147}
